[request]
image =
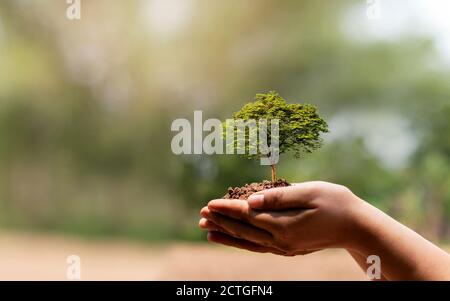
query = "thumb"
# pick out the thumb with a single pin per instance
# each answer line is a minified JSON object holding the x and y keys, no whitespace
{"x":290,"y":197}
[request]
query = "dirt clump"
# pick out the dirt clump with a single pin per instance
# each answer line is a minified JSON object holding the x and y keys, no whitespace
{"x":242,"y":193}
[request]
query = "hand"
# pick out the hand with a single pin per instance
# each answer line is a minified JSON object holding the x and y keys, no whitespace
{"x":306,"y":217}
{"x":292,"y":220}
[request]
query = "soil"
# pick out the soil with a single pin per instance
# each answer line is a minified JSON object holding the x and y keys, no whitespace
{"x":242,"y":193}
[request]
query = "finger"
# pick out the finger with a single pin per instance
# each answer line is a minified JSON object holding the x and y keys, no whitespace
{"x":228,"y":240}
{"x":206,"y":224}
{"x":290,"y":197}
{"x":240,"y":210}
{"x":212,"y":227}
{"x":209,"y":225}
{"x":241,"y":230}
{"x":204,"y":212}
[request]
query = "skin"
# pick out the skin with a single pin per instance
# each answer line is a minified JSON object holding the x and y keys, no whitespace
{"x":312,"y":216}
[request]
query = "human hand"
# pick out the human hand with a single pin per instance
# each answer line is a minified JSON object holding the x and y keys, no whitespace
{"x":292,"y":220}
{"x":310,"y":216}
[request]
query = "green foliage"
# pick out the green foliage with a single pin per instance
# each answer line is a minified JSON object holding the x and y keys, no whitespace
{"x":300,"y":125}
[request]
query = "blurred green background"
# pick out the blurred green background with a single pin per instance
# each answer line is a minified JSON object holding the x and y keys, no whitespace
{"x":86,"y":107}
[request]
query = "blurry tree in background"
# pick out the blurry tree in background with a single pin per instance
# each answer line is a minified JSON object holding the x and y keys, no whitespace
{"x":86,"y":108}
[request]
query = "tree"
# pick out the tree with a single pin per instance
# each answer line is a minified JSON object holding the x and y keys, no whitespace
{"x":300,"y":126}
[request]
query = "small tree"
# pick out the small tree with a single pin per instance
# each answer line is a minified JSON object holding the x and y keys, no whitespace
{"x":299,"y":125}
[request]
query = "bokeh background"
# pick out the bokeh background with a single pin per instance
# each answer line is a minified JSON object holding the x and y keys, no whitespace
{"x":86,"y":108}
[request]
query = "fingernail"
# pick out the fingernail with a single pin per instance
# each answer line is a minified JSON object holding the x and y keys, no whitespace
{"x":202,"y":223}
{"x":204,"y":212}
{"x":256,"y":201}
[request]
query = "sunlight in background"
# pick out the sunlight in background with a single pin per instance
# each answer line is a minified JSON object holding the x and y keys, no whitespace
{"x":387,"y":136}
{"x":167,"y":17}
{"x":399,"y":18}
{"x":436,"y":14}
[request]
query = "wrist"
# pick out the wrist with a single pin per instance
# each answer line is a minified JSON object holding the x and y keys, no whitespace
{"x":361,"y":222}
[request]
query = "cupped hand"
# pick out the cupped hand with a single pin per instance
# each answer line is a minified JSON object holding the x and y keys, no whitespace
{"x":293,"y":220}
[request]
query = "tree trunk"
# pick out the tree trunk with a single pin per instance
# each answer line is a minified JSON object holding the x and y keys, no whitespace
{"x":274,"y":173}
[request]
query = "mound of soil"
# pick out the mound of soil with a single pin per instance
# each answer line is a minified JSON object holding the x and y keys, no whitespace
{"x":242,"y":193}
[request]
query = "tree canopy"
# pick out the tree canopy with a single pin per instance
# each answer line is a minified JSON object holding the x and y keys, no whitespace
{"x":300,"y":125}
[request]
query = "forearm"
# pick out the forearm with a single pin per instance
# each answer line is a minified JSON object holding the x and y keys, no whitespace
{"x":404,"y":254}
{"x":361,"y":260}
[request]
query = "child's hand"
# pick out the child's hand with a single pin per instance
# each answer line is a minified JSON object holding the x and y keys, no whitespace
{"x":303,"y":218}
{"x":292,"y":220}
